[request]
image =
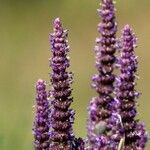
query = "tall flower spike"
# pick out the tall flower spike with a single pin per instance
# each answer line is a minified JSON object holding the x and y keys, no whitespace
{"x":41,"y":123}
{"x":61,"y":116}
{"x":135,"y":135}
{"x":104,"y":123}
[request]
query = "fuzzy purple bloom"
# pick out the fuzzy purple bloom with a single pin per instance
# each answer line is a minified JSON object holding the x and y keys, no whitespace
{"x":41,"y":123}
{"x":104,"y":123}
{"x":61,"y":116}
{"x":135,"y":134}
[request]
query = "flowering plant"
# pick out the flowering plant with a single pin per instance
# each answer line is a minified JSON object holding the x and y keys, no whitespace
{"x":112,"y":123}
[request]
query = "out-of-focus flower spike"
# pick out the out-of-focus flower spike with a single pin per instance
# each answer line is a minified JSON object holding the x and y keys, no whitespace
{"x":41,"y":122}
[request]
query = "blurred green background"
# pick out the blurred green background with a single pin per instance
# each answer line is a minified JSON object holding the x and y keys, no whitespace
{"x":24,"y":53}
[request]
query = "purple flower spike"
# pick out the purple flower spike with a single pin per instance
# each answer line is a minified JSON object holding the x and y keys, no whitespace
{"x":135,"y":135}
{"x":104,"y":123}
{"x":61,"y":116}
{"x":41,"y":123}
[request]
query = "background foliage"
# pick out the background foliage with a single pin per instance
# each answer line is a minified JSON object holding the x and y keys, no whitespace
{"x":24,"y":53}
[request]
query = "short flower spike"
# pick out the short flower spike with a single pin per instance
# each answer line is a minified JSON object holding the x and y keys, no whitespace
{"x":41,"y":122}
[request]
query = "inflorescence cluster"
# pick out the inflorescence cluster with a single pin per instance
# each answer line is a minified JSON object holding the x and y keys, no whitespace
{"x":112,"y":122}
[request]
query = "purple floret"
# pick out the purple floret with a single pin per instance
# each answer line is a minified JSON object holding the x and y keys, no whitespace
{"x":41,"y":123}
{"x":104,"y":123}
{"x":135,"y":134}
{"x":61,"y":116}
